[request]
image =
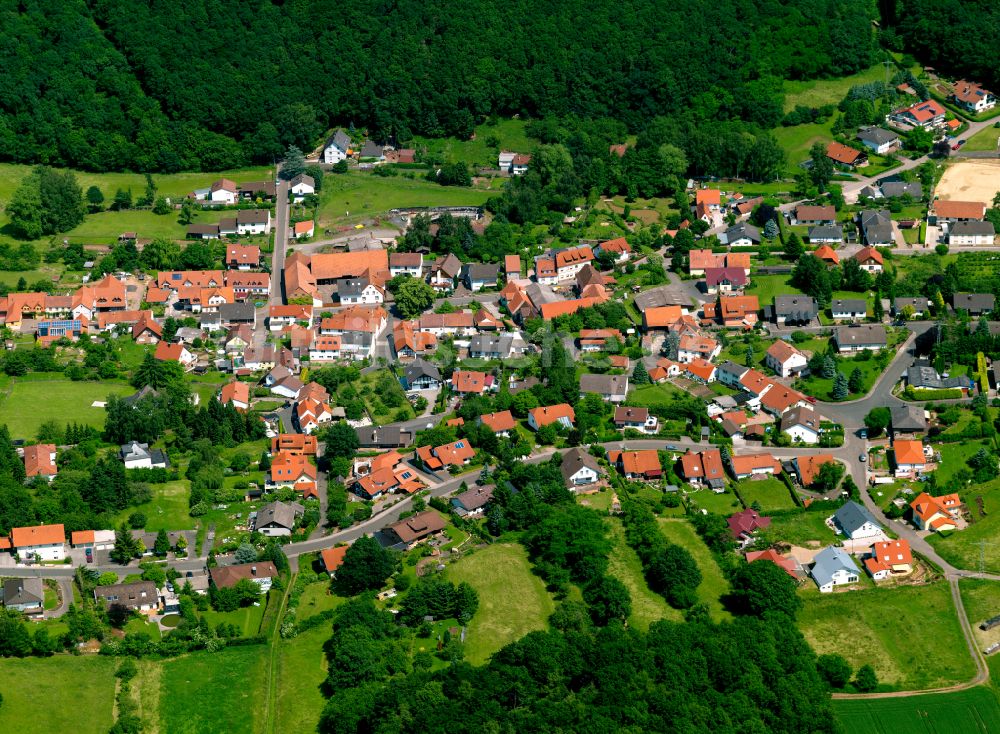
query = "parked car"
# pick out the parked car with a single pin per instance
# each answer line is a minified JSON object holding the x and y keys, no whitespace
{"x":90,"y":555}
{"x":863,"y":458}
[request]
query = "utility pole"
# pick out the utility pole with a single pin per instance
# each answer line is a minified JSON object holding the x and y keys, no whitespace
{"x":983,"y":544}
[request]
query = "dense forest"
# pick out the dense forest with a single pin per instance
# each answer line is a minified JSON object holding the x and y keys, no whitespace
{"x":165,"y":86}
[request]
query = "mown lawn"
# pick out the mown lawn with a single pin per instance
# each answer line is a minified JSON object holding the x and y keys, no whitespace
{"x":725,"y":503}
{"x":105,"y":227}
{"x":476,"y":152}
{"x":512,"y":600}
{"x":246,"y":619}
{"x":798,"y":139}
{"x":961,"y":548}
{"x":650,"y":395}
{"x":354,"y":196}
{"x":820,"y":92}
{"x":57,"y":694}
{"x":802,"y":528}
{"x":25,"y":404}
{"x":713,"y":583}
{"x":974,"y":710}
{"x":822,"y":388}
{"x":879,"y":627}
{"x":214,"y":692}
{"x":766,"y":287}
{"x":317,"y":598}
{"x":647,"y":605}
{"x":770,"y":494}
{"x":168,"y":510}
{"x":985,"y":139}
{"x":300,"y":670}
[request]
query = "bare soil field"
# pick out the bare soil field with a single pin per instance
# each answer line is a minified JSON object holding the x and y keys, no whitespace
{"x":972,"y":180}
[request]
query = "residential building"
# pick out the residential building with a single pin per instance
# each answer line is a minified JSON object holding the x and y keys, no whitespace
{"x":742,"y":234}
{"x":797,"y":310}
{"x":242,"y":257}
{"x":889,"y":558}
{"x":704,"y":467}
{"x":236,"y":394}
{"x":936,"y":513}
{"x":619,"y":248}
{"x":802,"y":424}
{"x":501,"y":422}
{"x":729,"y":373}
{"x":946,"y":214}
{"x":738,"y":311}
{"x":827,"y":234}
{"x":700,"y":370}
{"x":412,"y":530}
{"x":879,"y":140}
{"x":870,"y":259}
{"x":894,"y":189}
{"x":480,"y":275}
{"x":786,"y":359}
{"x":456,"y":453}
{"x":421,"y":375}
{"x":856,"y":522}
{"x":833,"y":567}
{"x":779,"y":399}
{"x":562,"y":265}
{"x":384,"y":437}
{"x":253,"y":221}
{"x":845,"y":155}
{"x":511,"y":267}
{"x":975,"y":304}
{"x":296,"y":444}
{"x":849,"y":308}
{"x":293,"y":471}
{"x":561,"y":414}
{"x":301,"y":186}
{"x":40,"y":461}
{"x":814,"y":215}
{"x":25,"y":595}
{"x":972,"y":97}
{"x":907,"y":420}
{"x":137,"y":596}
{"x":725,"y":280}
{"x":472,"y":502}
{"x":928,"y":115}
{"x":643,"y":464}
{"x":858,"y":337}
{"x":333,"y":558}
{"x":278,"y":518}
{"x":972,"y":233}
{"x":876,"y":230}
{"x":908,"y":457}
{"x":471,"y":382}
{"x":39,"y":542}
{"x":694,"y":346}
{"x":611,"y":388}
{"x":261,"y":573}
{"x":280,"y":317}
{"x":790,"y":566}
{"x":743,"y":525}
{"x":580,"y":469}
{"x":406,"y":263}
{"x":92,"y":539}
{"x":166,"y":352}
{"x":137,"y":455}
{"x":636,"y":419}
{"x":359,"y":291}
{"x":807,"y":467}
{"x":337,"y":148}
{"x":754,"y":466}
{"x":919,"y":306}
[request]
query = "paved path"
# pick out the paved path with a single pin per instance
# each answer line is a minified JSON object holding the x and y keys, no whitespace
{"x":280,"y":244}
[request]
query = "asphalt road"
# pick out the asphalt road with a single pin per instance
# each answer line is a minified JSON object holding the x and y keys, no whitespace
{"x":280,"y":243}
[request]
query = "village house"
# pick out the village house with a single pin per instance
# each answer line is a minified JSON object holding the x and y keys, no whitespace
{"x":833,"y":567}
{"x":918,"y":306}
{"x":136,"y":596}
{"x":754,"y":466}
{"x":25,"y":595}
{"x":333,"y":558}
{"x":166,"y":352}
{"x":242,"y":257}
{"x":705,"y":468}
{"x":471,"y":382}
{"x":304,"y":229}
{"x":826,"y":234}
{"x":845,"y":155}
{"x":697,"y":346}
{"x":849,"y":308}
{"x":480,"y":275}
{"x":974,"y":304}
{"x":928,"y":115}
{"x":276,"y":519}
{"x":458,"y":323}
{"x":472,"y":502}
{"x":909,"y":458}
{"x":806,"y":214}
{"x":511,"y":267}
{"x":580,"y":469}
{"x":936,"y":514}
{"x":972,"y":233}
{"x":561,"y":414}
{"x":947,"y":214}
{"x":876,"y":229}
{"x":280,"y":317}
{"x":802,"y":424}
{"x":729,"y":373}
{"x":879,"y":140}
{"x":636,"y":419}
{"x":39,"y":542}
{"x":236,"y":394}
{"x":301,"y":186}
{"x":779,"y":399}
{"x":137,"y":455}
{"x":858,"y":337}
{"x":410,"y":343}
{"x":736,"y":311}
{"x":40,"y":461}
{"x":857,"y":523}
{"x":617,"y":248}
{"x":456,"y":453}
{"x":293,"y":471}
{"x":501,"y":423}
{"x":742,"y":234}
{"x":261,"y":573}
{"x":611,"y":388}
{"x":337,"y":148}
{"x":310,"y":414}
{"x":889,"y":558}
{"x":296,"y":444}
{"x":807,"y":467}
{"x":743,"y":525}
{"x":642,"y":465}
{"x":416,"y":528}
{"x":421,"y":375}
{"x":789,"y":565}
{"x":972,"y":97}
{"x":725,"y":280}
{"x":793,"y":310}
{"x":561,"y":265}
{"x":406,"y":263}
{"x":869,"y":259}
{"x":786,"y":359}
{"x":907,"y":420}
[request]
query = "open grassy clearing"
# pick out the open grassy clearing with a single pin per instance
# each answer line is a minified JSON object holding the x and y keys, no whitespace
{"x":316,"y":599}
{"x":650,"y":395}
{"x":300,"y":670}
{"x":246,"y":619}
{"x":725,"y":503}
{"x":974,"y":710}
{"x":355,"y":196}
{"x":766,"y":287}
{"x":214,"y":692}
{"x":512,"y":600}
{"x":981,"y":599}
{"x":798,"y":139}
{"x":985,"y":139}
{"x":647,"y":605}
{"x":26,"y":404}
{"x":802,"y":528}
{"x":713,"y":585}
{"x":822,"y":388}
{"x":168,"y":510}
{"x":770,"y":494}
{"x":961,"y":548}
{"x":105,"y":227}
{"x":57,"y":694}
{"x":879,"y":627}
{"x":477,"y":152}
{"x":819,"y":92}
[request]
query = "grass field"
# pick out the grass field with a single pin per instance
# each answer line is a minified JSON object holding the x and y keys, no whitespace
{"x":981,"y":599}
{"x":821,"y":92}
{"x":974,"y":710}
{"x":770,"y":494}
{"x":512,"y":600}
{"x":801,"y":528}
{"x":822,"y":388}
{"x":477,"y":152}
{"x":647,"y":606}
{"x":355,"y":196}
{"x":766,"y":287}
{"x":300,"y":671}
{"x":798,"y":139}
{"x":58,"y":694}
{"x":877,"y":626}
{"x":316,"y":598}
{"x":104,"y":227}
{"x":713,"y":584}
{"x":214,"y":692}
{"x":650,"y":395}
{"x":985,"y":139}
{"x":168,"y":510}
{"x":246,"y":619}
{"x":961,"y":548}
{"x":26,"y":404}
{"x":725,"y":503}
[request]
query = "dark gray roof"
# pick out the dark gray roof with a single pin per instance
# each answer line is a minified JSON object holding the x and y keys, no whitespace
{"x":909,"y":418}
{"x":575,"y":459}
{"x":26,"y":592}
{"x":341,"y":139}
{"x":801,"y":416}
{"x":919,"y":304}
{"x":252,"y":216}
{"x":789,"y":306}
{"x":741,"y":230}
{"x":826,"y":232}
{"x":303,"y":178}
{"x":421,"y":368}
{"x":481,"y":271}
{"x":130,"y":596}
{"x":662,"y":296}
{"x":877,"y":135}
{"x":853,"y":305}
{"x":280,"y":514}
{"x":604,"y":384}
{"x":973,"y":228}
{"x":974,"y":303}
{"x":384,"y":436}
{"x":876,"y":225}
{"x":372,"y":150}
{"x":485,"y":344}
{"x":239,"y":311}
{"x":900,"y":188}
{"x":472,"y":499}
{"x":851,"y":516}
{"x":144,"y":392}
{"x":865,"y":334}
{"x":730,"y":367}
{"x":351,"y":287}
{"x":199,"y":229}
{"x":921,"y":376}
{"x":449,"y":265}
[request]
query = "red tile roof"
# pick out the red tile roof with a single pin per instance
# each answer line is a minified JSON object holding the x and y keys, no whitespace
{"x":38,"y":535}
